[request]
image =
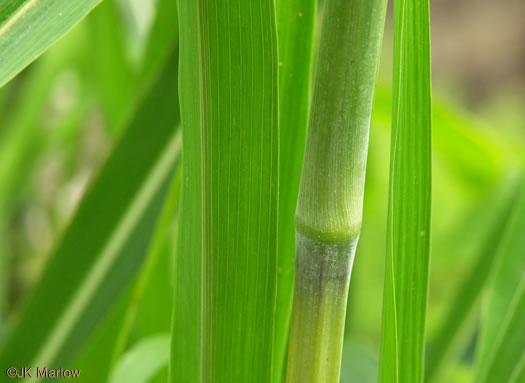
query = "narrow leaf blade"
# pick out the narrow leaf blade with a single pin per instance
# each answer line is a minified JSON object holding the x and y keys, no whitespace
{"x":106,"y":242}
{"x":408,"y":239}
{"x":295,"y":21}
{"x":29,"y":27}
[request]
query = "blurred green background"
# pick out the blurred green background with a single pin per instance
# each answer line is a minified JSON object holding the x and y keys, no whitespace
{"x":62,"y":116}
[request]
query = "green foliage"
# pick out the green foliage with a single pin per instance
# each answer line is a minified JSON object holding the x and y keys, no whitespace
{"x":185,"y":355}
{"x":502,"y":352}
{"x":295,"y":22}
{"x":497,"y":212}
{"x":408,"y":232}
{"x":119,"y":213}
{"x":237,"y":120}
{"x":95,"y":271}
{"x":142,"y":361}
{"x":29,"y":27}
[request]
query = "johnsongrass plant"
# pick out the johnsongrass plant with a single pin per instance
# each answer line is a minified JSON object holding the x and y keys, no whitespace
{"x":248,"y":170}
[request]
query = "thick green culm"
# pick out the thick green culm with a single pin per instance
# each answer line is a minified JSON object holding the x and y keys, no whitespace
{"x":330,"y":205}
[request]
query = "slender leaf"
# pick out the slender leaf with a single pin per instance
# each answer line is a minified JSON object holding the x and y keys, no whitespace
{"x":295,"y":21}
{"x":29,"y":27}
{"x":408,"y":239}
{"x":164,"y":34}
{"x":139,"y":305}
{"x":114,"y":76}
{"x":106,"y":242}
{"x":502,"y":348}
{"x":155,"y":280}
{"x":185,"y":354}
{"x":234,"y":46}
{"x":142,"y":361}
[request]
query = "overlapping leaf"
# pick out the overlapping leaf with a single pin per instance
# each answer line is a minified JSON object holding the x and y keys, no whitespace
{"x":106,"y":242}
{"x":295,"y":20}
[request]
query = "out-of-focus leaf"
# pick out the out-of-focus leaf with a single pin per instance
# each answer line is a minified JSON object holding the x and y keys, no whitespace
{"x":106,"y":242}
{"x":114,"y":77}
{"x":97,"y":357}
{"x":164,"y":33}
{"x":24,"y":140}
{"x":474,"y":153}
{"x":233,"y":111}
{"x":29,"y":27}
{"x":142,"y":361}
{"x":501,"y":355}
{"x":138,"y":312}
{"x":295,"y":20}
{"x":408,"y":234}
{"x":155,"y":282}
{"x":496,"y":212}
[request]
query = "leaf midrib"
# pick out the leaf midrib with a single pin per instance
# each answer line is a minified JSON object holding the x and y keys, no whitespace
{"x":108,"y":256}
{"x":16,"y":16}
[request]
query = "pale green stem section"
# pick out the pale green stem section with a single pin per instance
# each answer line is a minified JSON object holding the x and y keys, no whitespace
{"x":332,"y":185}
{"x":321,"y":290}
{"x":330,"y":205}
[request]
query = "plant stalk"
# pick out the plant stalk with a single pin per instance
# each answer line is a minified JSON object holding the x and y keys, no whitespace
{"x":329,"y":211}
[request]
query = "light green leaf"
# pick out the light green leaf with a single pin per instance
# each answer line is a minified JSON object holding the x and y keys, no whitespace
{"x":502,"y":346}
{"x":106,"y":242}
{"x":29,"y":27}
{"x":408,"y":238}
{"x":233,"y":48}
{"x":295,"y":20}
{"x":142,"y":361}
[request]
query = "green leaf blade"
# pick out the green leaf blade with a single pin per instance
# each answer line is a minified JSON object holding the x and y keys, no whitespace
{"x":185,"y":353}
{"x":29,"y":27}
{"x":229,"y":78}
{"x":106,"y":241}
{"x":240,"y":181}
{"x":408,"y":238}
{"x":295,"y":20}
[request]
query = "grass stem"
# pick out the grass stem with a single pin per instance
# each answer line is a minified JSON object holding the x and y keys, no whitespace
{"x":330,"y":204}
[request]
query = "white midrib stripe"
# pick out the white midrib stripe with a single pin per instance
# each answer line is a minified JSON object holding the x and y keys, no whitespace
{"x":21,"y":12}
{"x":108,"y":256}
